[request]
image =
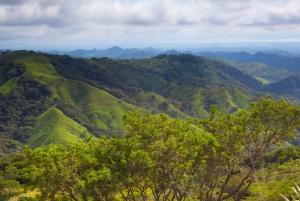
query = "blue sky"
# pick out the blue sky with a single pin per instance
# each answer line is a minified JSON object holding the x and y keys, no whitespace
{"x":142,"y":23}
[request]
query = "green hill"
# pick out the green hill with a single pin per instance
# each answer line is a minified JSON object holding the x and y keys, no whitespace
{"x":56,"y":99}
{"x":44,"y":95}
{"x":288,"y":87}
{"x":100,"y":107}
{"x":28,"y":94}
{"x":262,"y":72}
{"x":174,"y":78}
{"x":54,"y":127}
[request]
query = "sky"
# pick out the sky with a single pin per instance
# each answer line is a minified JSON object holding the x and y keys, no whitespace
{"x":59,"y":24}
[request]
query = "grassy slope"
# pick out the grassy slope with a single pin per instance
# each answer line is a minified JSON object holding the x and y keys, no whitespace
{"x":173,"y":96}
{"x":36,"y":65}
{"x":176,"y":90}
{"x":157,"y":103}
{"x":100,"y":106}
{"x":6,"y":88}
{"x":196,"y":101}
{"x":147,"y":98}
{"x":54,"y":127}
{"x":228,"y":100}
{"x":106,"y":111}
{"x":263,"y":80}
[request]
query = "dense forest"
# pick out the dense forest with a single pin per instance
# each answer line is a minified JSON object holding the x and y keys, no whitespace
{"x":224,"y":157}
{"x":171,"y":127}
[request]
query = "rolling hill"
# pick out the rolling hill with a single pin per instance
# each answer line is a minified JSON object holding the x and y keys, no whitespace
{"x":57,"y":98}
{"x":289,"y":63}
{"x":55,"y":127}
{"x":260,"y":71}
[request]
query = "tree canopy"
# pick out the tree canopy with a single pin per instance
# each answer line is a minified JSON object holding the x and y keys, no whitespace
{"x":162,"y":158}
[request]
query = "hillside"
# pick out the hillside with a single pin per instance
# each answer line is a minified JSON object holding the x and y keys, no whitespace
{"x":29,"y":93}
{"x":288,"y":63}
{"x":175,"y":78}
{"x":54,"y":127}
{"x":56,"y":99}
{"x":259,"y":71}
{"x":288,"y":87}
{"x":43,"y":95}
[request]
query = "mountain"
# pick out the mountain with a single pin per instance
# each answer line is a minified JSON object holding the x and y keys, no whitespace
{"x":171,"y":52}
{"x":113,"y":52}
{"x":27,"y":94}
{"x":280,"y":52}
{"x":189,"y":52}
{"x":140,"y":53}
{"x":235,"y":56}
{"x":288,"y":87}
{"x":48,"y":98}
{"x":260,"y":71}
{"x":288,"y":63}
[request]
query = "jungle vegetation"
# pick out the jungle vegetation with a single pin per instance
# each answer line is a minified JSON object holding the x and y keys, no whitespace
{"x":171,"y":127}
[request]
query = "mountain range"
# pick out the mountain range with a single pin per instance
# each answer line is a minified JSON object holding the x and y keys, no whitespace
{"x":51,"y":98}
{"x":273,"y":58}
{"x":118,"y":52}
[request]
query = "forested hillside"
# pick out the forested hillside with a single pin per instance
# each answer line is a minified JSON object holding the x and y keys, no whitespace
{"x":290,"y":63}
{"x":224,"y":157}
{"x":56,"y":99}
{"x":260,"y":71}
{"x":94,"y":93}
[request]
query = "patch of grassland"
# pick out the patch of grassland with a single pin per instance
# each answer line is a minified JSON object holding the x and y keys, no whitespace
{"x":157,"y":103}
{"x":228,"y":101}
{"x":100,"y":106}
{"x":54,"y":127}
{"x":264,"y":81}
{"x":36,"y":62}
{"x":6,"y":88}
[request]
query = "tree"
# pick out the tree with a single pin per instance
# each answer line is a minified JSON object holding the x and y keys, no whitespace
{"x":162,"y":158}
{"x":72,"y":172}
{"x":167,"y":153}
{"x":9,"y":188}
{"x":12,"y":169}
{"x":244,"y":138}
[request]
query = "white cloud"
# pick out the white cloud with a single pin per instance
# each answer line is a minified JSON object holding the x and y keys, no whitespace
{"x":107,"y":18}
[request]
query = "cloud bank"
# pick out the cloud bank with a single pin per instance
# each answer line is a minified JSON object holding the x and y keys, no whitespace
{"x":145,"y":19}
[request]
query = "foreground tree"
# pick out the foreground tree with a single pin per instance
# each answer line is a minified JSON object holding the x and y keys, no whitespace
{"x":79,"y":171}
{"x":244,"y":138}
{"x":170,"y":154}
{"x":168,"y":159}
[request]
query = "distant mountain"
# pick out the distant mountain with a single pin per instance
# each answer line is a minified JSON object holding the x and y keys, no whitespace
{"x":169,"y":52}
{"x":280,"y":52}
{"x":286,"y":62}
{"x":189,"y":52}
{"x":140,"y":54}
{"x":235,"y":56}
{"x":288,"y":87}
{"x":113,"y":52}
{"x":260,"y":71}
{"x":276,"y":58}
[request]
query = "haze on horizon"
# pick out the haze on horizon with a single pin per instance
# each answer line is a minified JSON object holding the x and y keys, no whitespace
{"x":26,"y":24}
